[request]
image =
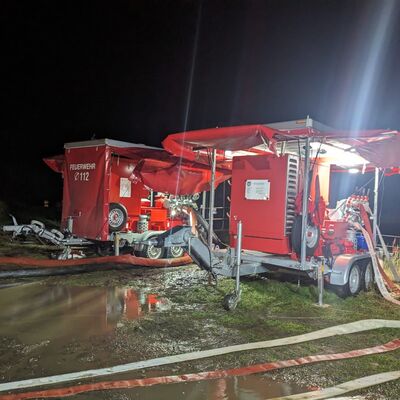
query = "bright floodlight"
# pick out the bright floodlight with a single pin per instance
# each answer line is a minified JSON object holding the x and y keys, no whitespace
{"x":354,"y":170}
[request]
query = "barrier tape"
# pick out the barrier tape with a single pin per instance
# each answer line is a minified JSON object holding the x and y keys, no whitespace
{"x":201,"y":376}
{"x":352,"y":327}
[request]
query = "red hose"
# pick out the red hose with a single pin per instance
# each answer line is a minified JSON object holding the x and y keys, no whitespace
{"x":123,"y":259}
{"x":252,"y":369}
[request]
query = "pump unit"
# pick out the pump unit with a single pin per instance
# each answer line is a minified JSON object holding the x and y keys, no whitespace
{"x":264,"y":189}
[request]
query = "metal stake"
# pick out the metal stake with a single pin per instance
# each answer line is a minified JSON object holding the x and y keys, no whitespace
{"x":305,"y":204}
{"x":212,"y":198}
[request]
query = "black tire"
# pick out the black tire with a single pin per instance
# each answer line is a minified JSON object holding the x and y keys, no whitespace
{"x":354,"y":282}
{"x":230,"y":302}
{"x":368,"y":277}
{"x":152,"y":252}
{"x":175,"y":252}
{"x":296,"y":237}
{"x":117,"y":217}
{"x":105,"y":249}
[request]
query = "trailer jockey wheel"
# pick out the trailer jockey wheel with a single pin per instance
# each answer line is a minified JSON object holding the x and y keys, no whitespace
{"x":117,"y":217}
{"x":312,"y":235}
{"x":175,"y":252}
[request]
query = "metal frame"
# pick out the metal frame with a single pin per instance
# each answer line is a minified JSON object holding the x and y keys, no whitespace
{"x":212,"y":199}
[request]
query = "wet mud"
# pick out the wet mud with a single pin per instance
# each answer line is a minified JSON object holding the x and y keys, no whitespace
{"x":62,"y":324}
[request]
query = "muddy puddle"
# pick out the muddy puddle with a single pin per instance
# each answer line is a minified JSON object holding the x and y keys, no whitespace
{"x":35,"y":313}
{"x":52,"y":329}
{"x":238,"y":388}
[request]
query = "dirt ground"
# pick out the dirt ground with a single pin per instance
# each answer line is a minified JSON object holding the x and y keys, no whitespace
{"x":187,"y":315}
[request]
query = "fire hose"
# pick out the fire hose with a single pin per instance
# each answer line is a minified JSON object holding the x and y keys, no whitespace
{"x":345,"y":387}
{"x":207,"y":375}
{"x":38,"y":267}
{"x":381,"y":278}
{"x":352,"y":327}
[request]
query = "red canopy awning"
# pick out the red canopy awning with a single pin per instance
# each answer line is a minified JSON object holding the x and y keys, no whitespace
{"x":193,"y":145}
{"x":56,"y":163}
{"x":160,"y":171}
{"x":379,"y":147}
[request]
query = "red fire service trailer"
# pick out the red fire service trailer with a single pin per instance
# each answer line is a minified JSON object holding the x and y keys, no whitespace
{"x":280,"y":216}
{"x":119,"y":192}
{"x":102,"y":196}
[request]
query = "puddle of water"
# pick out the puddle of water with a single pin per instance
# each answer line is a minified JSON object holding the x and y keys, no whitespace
{"x":253,"y":387}
{"x":34,"y":313}
{"x":53,"y":329}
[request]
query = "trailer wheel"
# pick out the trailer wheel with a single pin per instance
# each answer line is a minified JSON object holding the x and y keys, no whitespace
{"x":117,"y":217}
{"x":230,"y":302}
{"x":312,"y":234}
{"x":152,"y":252}
{"x":354,"y":283}
{"x":175,"y":252}
{"x":368,"y":277}
{"x":104,"y":249}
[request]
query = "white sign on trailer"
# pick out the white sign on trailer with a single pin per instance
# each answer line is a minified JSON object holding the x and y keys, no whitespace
{"x":125,"y":187}
{"x":257,"y":189}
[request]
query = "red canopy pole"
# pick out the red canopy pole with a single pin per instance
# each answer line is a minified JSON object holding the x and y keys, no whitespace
{"x":306,"y":190}
{"x":375,"y":214}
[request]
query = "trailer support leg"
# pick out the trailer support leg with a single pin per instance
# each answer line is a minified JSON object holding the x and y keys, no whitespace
{"x":231,"y":300}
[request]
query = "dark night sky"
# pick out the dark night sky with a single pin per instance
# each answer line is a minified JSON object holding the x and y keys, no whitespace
{"x":122,"y":70}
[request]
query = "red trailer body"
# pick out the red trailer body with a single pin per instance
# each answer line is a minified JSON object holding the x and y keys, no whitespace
{"x":94,"y":177}
{"x":86,"y":190}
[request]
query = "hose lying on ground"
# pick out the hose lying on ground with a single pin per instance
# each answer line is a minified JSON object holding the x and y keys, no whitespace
{"x":345,"y":387}
{"x":41,"y":267}
{"x":201,"y":376}
{"x":352,"y":327}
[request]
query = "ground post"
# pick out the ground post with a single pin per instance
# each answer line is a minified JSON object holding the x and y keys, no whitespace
{"x":321,"y":272}
{"x":116,"y":244}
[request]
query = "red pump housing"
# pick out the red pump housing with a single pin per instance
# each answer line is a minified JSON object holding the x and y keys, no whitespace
{"x":264,"y":189}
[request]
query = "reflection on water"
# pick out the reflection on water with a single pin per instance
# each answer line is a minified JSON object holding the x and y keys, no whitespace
{"x":252,"y":387}
{"x":47,"y":319}
{"x":33,"y":313}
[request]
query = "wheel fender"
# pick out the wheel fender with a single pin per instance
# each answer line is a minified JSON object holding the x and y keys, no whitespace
{"x":146,"y":235}
{"x":341,"y":267}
